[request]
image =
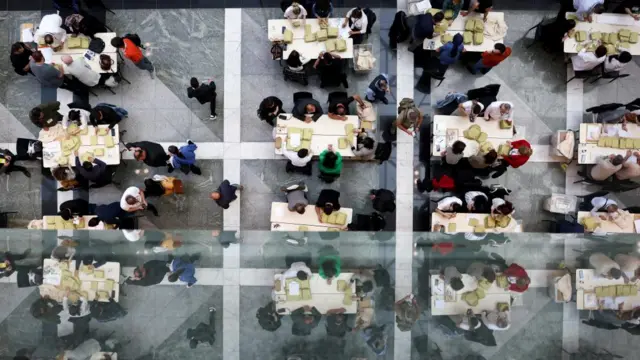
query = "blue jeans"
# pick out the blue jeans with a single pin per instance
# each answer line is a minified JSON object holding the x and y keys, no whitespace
{"x":145,"y":64}
{"x":479,"y":66}
{"x":120,"y":111}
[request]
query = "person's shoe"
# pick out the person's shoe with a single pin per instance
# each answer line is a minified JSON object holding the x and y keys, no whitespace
{"x":153,"y":73}
{"x":196,"y":170}
{"x":284,"y":188}
{"x":384,"y":101}
{"x":170,"y":169}
{"x":213,"y":117}
{"x":27,"y":173}
{"x":189,"y":142}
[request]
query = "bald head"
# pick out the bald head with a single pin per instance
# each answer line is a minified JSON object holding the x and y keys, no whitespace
{"x":67,"y":59}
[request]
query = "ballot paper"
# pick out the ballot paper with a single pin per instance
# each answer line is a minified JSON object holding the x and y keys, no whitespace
{"x":27,"y":35}
{"x":616,"y":19}
{"x":47,"y":52}
{"x":593,"y":132}
{"x":294,"y":140}
{"x":636,"y":223}
{"x":294,"y":288}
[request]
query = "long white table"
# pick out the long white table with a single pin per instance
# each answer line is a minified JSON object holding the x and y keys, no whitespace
{"x":611,"y":227}
{"x":604,"y":23}
{"x":587,"y":281}
{"x":309,"y":50}
{"x":94,"y":62}
{"x":52,"y":150}
{"x":86,"y":219}
{"x":436,"y":42}
{"x":280,"y":214}
{"x":52,"y":269}
{"x":447,"y":129}
{"x":446,"y":301}
{"x":326,"y":131}
{"x":462,"y":223}
{"x":588,"y":149}
{"x":323,"y":296}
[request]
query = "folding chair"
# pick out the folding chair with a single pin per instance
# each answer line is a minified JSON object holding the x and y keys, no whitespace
{"x":301,"y":95}
{"x":613,"y":75}
{"x":336,"y":95}
{"x":538,"y":32}
{"x":585,"y":75}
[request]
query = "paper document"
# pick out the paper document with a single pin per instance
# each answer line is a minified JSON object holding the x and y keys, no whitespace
{"x":294,"y":140}
{"x":423,"y":6}
{"x":616,"y":19}
{"x":439,"y":304}
{"x":294,"y":288}
{"x":27,"y":35}
{"x":47,"y":52}
{"x":637,"y":225}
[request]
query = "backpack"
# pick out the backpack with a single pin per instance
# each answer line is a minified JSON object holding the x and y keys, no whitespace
{"x":383,"y":151}
{"x":134,"y":39}
{"x":97,"y":45}
{"x":276,"y":52}
{"x":406,"y":104}
{"x":268,"y":318}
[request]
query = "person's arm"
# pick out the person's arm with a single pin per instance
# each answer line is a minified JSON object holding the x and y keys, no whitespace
{"x":365,"y":23}
{"x":401,"y":127}
{"x":358,"y":99}
{"x":315,"y":64}
{"x":319,"y":214}
{"x":317,"y":316}
{"x":101,"y":165}
{"x":143,"y":199}
{"x":416,"y":126}
{"x":345,"y":22}
{"x":486,"y":13}
{"x":336,"y":117}
{"x":462,"y":109}
{"x":629,"y":12}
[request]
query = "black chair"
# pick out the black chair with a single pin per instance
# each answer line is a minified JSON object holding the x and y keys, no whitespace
{"x":586,"y":75}
{"x":337,"y":95}
{"x":301,"y":95}
{"x":371,"y":19}
{"x":438,"y":75}
{"x":538,"y":33}
{"x":604,"y":107}
{"x":634,"y":105}
{"x":613,"y":75}
{"x":4,"y":218}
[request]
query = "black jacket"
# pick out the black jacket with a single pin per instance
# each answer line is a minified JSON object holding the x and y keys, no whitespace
{"x":299,"y":326}
{"x":79,"y":207}
{"x":109,"y":116}
{"x":399,"y":30}
{"x":156,"y":270}
{"x":19,"y":61}
{"x":204,"y":93}
{"x":156,"y":155}
{"x":264,"y":111}
{"x":299,"y":109}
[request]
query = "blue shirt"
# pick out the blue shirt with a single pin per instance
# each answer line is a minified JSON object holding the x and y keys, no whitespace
{"x":189,"y":153}
{"x":445,"y":53}
{"x":188,"y":275}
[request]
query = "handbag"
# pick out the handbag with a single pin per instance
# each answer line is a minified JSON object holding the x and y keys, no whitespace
{"x":276,"y":51}
{"x":105,"y":62}
{"x":97,"y":45}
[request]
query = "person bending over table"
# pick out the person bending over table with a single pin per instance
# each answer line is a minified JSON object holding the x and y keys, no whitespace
{"x":328,"y":201}
{"x":453,"y":5}
{"x":110,"y":214}
{"x":322,"y":9}
{"x":329,"y":164}
{"x":496,"y":320}
{"x":296,"y":197}
{"x":329,"y":263}
{"x":298,"y":270}
{"x":365,"y":145}
{"x":482,"y":163}
{"x":586,"y":61}
{"x":468,"y":321}
{"x":620,"y":115}
{"x":499,"y":110}
{"x":501,"y":207}
{"x":480,"y":6}
{"x":296,"y":12}
{"x":605,"y":267}
{"x":94,"y":170}
{"x":307,"y":110}
{"x":339,"y":107}
{"x":517,"y":277}
{"x":51,"y":30}
{"x":79,"y":117}
{"x":80,"y":69}
{"x":554,"y":35}
{"x":452,"y":277}
{"x":357,"y":21}
{"x":150,"y":153}
{"x":107,"y":114}
{"x":304,"y":320}
{"x":519,"y":154}
{"x":449,"y":206}
{"x":46,"y":115}
{"x":630,"y":168}
{"x":76,"y":208}
{"x":629,"y":7}
{"x":606,"y":166}
{"x":477,"y":202}
{"x":83,"y":24}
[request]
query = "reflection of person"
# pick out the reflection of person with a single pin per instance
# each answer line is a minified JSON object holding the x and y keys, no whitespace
{"x":329,"y":263}
{"x":605,"y":267}
{"x":517,"y":278}
{"x":150,"y":273}
{"x":203,"y":332}
{"x":304,"y":320}
{"x":8,"y":262}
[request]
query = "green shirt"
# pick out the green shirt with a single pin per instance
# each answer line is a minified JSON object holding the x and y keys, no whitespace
{"x":331,"y":171}
{"x":336,"y":261}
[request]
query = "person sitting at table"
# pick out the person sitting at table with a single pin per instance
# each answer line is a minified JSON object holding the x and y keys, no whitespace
{"x":296,"y":197}
{"x":605,"y":267}
{"x":66,"y":177}
{"x":357,"y":21}
{"x":304,"y":320}
{"x":501,"y":207}
{"x":378,"y":89}
{"x":619,"y":115}
{"x":133,"y":199}
{"x":553,"y":35}
{"x":629,"y":7}
{"x":483,"y":162}
{"x":322,"y":9}
{"x":298,"y":270}
{"x":450,"y":52}
{"x":51,"y":30}
{"x":617,"y":62}
{"x":477,"y":202}
{"x":586,"y":60}
{"x":339,"y":106}
{"x":517,"y":277}
{"x":299,"y":161}
{"x":606,"y":166}
{"x":630,"y":168}
{"x":480,"y":6}
{"x":8,"y":163}
{"x":295,"y":61}
{"x":329,"y":164}
{"x":84,"y":23}
{"x":471,"y":109}
{"x":269,"y":110}
{"x":365,"y":146}
{"x":76,"y":310}
{"x":75,"y":208}
{"x":449,"y":206}
{"x":452,"y":277}
{"x":151,"y":153}
{"x":499,"y":110}
{"x":496,"y":320}
{"x":467,"y":322}
{"x":307,"y":110}
{"x":584,"y":8}
{"x":150,"y":273}
{"x":424,"y":27}
{"x":46,"y":115}
{"x":83,"y":72}
{"x":20,"y":57}
{"x":453,"y":5}
{"x":331,"y":70}
{"x":453,"y":153}
{"x":79,"y":117}
{"x":107,"y":114}
{"x":328,"y":201}
{"x":336,"y":322}
{"x":109,"y":214}
{"x":329,"y":263}
{"x":296,"y":12}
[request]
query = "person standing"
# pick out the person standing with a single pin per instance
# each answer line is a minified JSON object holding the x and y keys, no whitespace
{"x":133,"y":200}
{"x":269,"y":110}
{"x":358,"y":22}
{"x":184,"y":158}
{"x":587,"y":60}
{"x":107,"y":114}
{"x":378,"y":89}
{"x":454,"y":153}
{"x":304,"y":320}
{"x":226,"y":194}
{"x":47,"y":74}
{"x":46,"y":115}
{"x":132,"y":51}
{"x":94,"y":170}
{"x":203,"y":332}
{"x":491,"y":59}
{"x":50,"y":29}
{"x":20,"y":57}
{"x":204,"y":93}
{"x":152,"y":154}
{"x":8,"y":163}
{"x":110,"y":214}
{"x":82,"y":71}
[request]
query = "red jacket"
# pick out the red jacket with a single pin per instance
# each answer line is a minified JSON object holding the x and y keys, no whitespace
{"x":517,"y":271}
{"x":490,"y":59}
{"x":515,"y":161}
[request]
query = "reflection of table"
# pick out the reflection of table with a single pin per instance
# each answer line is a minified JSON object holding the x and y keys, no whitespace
{"x":588,"y":149}
{"x":294,"y":227}
{"x":111,"y":155}
{"x":323,"y":296}
{"x":587,"y":281}
{"x":280,"y":214}
{"x":308,"y":50}
{"x":605,"y":23}
{"x":99,"y":355}
{"x":609,"y":226}
{"x":447,"y":129}
{"x":446,"y":301}
{"x":325,"y":131}
{"x":86,"y":219}
{"x":52,"y":270}
{"x":462,"y":223}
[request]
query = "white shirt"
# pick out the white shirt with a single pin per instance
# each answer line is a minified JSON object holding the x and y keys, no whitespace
{"x":583,"y":7}
{"x":613,"y":64}
{"x":445,"y":204}
{"x":80,"y":69}
{"x":496,"y":202}
{"x":600,"y":204}
{"x":131,"y":191}
{"x":84,"y":307}
{"x":51,"y":25}
{"x":462,"y":321}
{"x":358,"y":25}
{"x":84,"y":119}
{"x":585,"y":60}
{"x":467,"y":106}
{"x":491,"y":320}
{"x":295,"y":160}
{"x":470,"y":195}
{"x":288,"y":14}
{"x":294,"y":269}
{"x":493,"y":111}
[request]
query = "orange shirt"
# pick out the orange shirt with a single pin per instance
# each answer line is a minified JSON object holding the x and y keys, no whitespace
{"x":490,"y":59}
{"x":132,"y":52}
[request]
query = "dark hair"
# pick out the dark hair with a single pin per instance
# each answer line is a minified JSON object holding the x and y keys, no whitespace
{"x":455,"y":207}
{"x":302,"y":153}
{"x":327,"y":57}
{"x":65,"y":214}
{"x":74,"y":309}
{"x":328,"y":208}
{"x":330,"y":160}
{"x":481,"y":205}
{"x":173,"y":277}
{"x":439,"y":16}
{"x":456,"y":284}
{"x":173,"y":149}
{"x":329,"y":268}
{"x":356,"y":13}
{"x":131,"y":200}
{"x":35,"y":113}
{"x":624,"y":57}
{"x":87,"y":165}
{"x":456,"y":42}
{"x":94,"y":222}
{"x":194,"y":83}
{"x":473,"y":322}
{"x":598,"y":8}
{"x":48,"y":39}
{"x":569,"y":24}
{"x":37,"y":56}
{"x":489,"y":274}
{"x":59,"y":173}
{"x":615,"y":273}
{"x":368,"y":143}
{"x":476,"y":109}
{"x":193,"y":343}
{"x":294,"y":59}
{"x":367,"y":286}
{"x":506,"y":208}
{"x":16,"y":46}
{"x":490,"y":157}
{"x":601,"y":51}
{"x":500,"y":47}
{"x":300,"y":208}
{"x":74,"y":115}
{"x":138,"y":271}
{"x":458,"y":147}
{"x":617,"y":160}
{"x":117,"y":42}
{"x":302,"y":275}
